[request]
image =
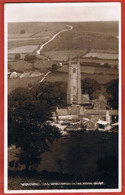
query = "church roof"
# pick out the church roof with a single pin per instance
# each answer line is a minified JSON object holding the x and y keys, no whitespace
{"x":62,"y":112}
{"x":100,"y":112}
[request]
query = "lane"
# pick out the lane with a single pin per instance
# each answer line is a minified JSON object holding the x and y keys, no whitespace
{"x":42,"y":46}
{"x":45,"y":76}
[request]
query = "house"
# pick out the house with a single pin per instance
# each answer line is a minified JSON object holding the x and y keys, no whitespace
{"x":88,"y":124}
{"x":13,"y":75}
{"x":103,"y":125}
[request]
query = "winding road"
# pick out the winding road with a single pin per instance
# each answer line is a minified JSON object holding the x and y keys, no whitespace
{"x":70,"y":28}
{"x":42,"y":46}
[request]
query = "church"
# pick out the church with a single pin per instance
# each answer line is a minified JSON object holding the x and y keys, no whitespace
{"x":79,"y":106}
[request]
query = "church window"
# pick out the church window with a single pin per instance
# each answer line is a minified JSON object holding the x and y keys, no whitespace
{"x":74,"y":88}
{"x":74,"y":70}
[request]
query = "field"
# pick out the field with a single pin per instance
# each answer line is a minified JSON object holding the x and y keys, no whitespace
{"x":83,"y":35}
{"x":22,"y":65}
{"x":93,"y":70}
{"x":16,"y":36}
{"x":35,"y":33}
{"x":86,"y":38}
{"x":23,"y":49}
{"x":19,"y":66}
{"x":101,"y":56}
{"x":15,"y":44}
{"x":64,"y":54}
{"x":87,"y":35}
{"x":63,"y":77}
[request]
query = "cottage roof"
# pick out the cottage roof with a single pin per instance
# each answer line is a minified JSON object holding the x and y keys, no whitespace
{"x":62,"y":112}
{"x":102,"y":122}
{"x":100,"y":112}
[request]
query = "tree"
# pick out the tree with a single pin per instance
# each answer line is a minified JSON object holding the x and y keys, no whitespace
{"x":52,"y":93}
{"x":113,"y":88}
{"x":89,"y":86}
{"x":17,"y":56}
{"x":22,"y":31}
{"x":54,"y":67}
{"x":31,"y":59}
{"x":29,"y":127}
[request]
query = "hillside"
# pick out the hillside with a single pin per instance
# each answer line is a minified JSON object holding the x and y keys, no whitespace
{"x":32,"y":27}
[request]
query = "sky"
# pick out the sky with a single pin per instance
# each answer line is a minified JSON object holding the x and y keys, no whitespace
{"x":59,"y":12}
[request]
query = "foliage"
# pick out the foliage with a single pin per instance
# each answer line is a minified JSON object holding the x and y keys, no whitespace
{"x":52,"y":93}
{"x":22,"y":32}
{"x":53,"y":68}
{"x":28,"y":127}
{"x":31,"y":59}
{"x":17,"y":56}
{"x":89,"y":86}
{"x":113,"y":88}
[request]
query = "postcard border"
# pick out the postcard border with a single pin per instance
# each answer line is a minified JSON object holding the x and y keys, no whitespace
{"x":2,"y":91}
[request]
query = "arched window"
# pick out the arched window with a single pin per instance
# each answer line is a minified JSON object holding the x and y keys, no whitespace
{"x":74,"y":88}
{"x":74,"y":70}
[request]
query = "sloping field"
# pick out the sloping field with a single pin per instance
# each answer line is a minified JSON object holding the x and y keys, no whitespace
{"x":36,"y":28}
{"x":16,"y":36}
{"x":42,"y":65}
{"x":13,"y":44}
{"x":27,"y":39}
{"x":63,"y":54}
{"x":92,"y":70}
{"x":89,"y":61}
{"x":84,"y":34}
{"x":23,"y":49}
{"x":76,"y":39}
{"x":33,"y":27}
{"x":101,"y":56}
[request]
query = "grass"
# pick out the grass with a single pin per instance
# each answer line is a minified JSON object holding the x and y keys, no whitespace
{"x":99,"y":35}
{"x":33,"y":27}
{"x":23,"y":49}
{"x":109,"y":56}
{"x":76,"y":39}
{"x":24,"y":82}
{"x":32,"y":30}
{"x":64,"y":54}
{"x":19,"y":66}
{"x":22,"y":65}
{"x":25,"y":35}
{"x":15,"y":44}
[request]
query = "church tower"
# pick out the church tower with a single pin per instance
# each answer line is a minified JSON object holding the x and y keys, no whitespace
{"x":74,"y":82}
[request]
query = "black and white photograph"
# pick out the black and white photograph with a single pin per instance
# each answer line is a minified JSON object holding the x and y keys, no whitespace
{"x":62,"y":97}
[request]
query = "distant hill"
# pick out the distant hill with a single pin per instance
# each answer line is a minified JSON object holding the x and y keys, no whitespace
{"x":33,"y":27}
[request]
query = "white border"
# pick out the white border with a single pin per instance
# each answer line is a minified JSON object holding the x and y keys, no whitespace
{"x":6,"y":107}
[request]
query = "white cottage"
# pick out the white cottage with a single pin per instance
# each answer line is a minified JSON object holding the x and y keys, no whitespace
{"x":103,"y":125}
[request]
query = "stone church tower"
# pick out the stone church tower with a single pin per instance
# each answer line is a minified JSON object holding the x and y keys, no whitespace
{"x":74,"y":83}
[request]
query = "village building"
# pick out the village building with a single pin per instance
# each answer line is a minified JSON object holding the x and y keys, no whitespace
{"x":79,"y":106}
